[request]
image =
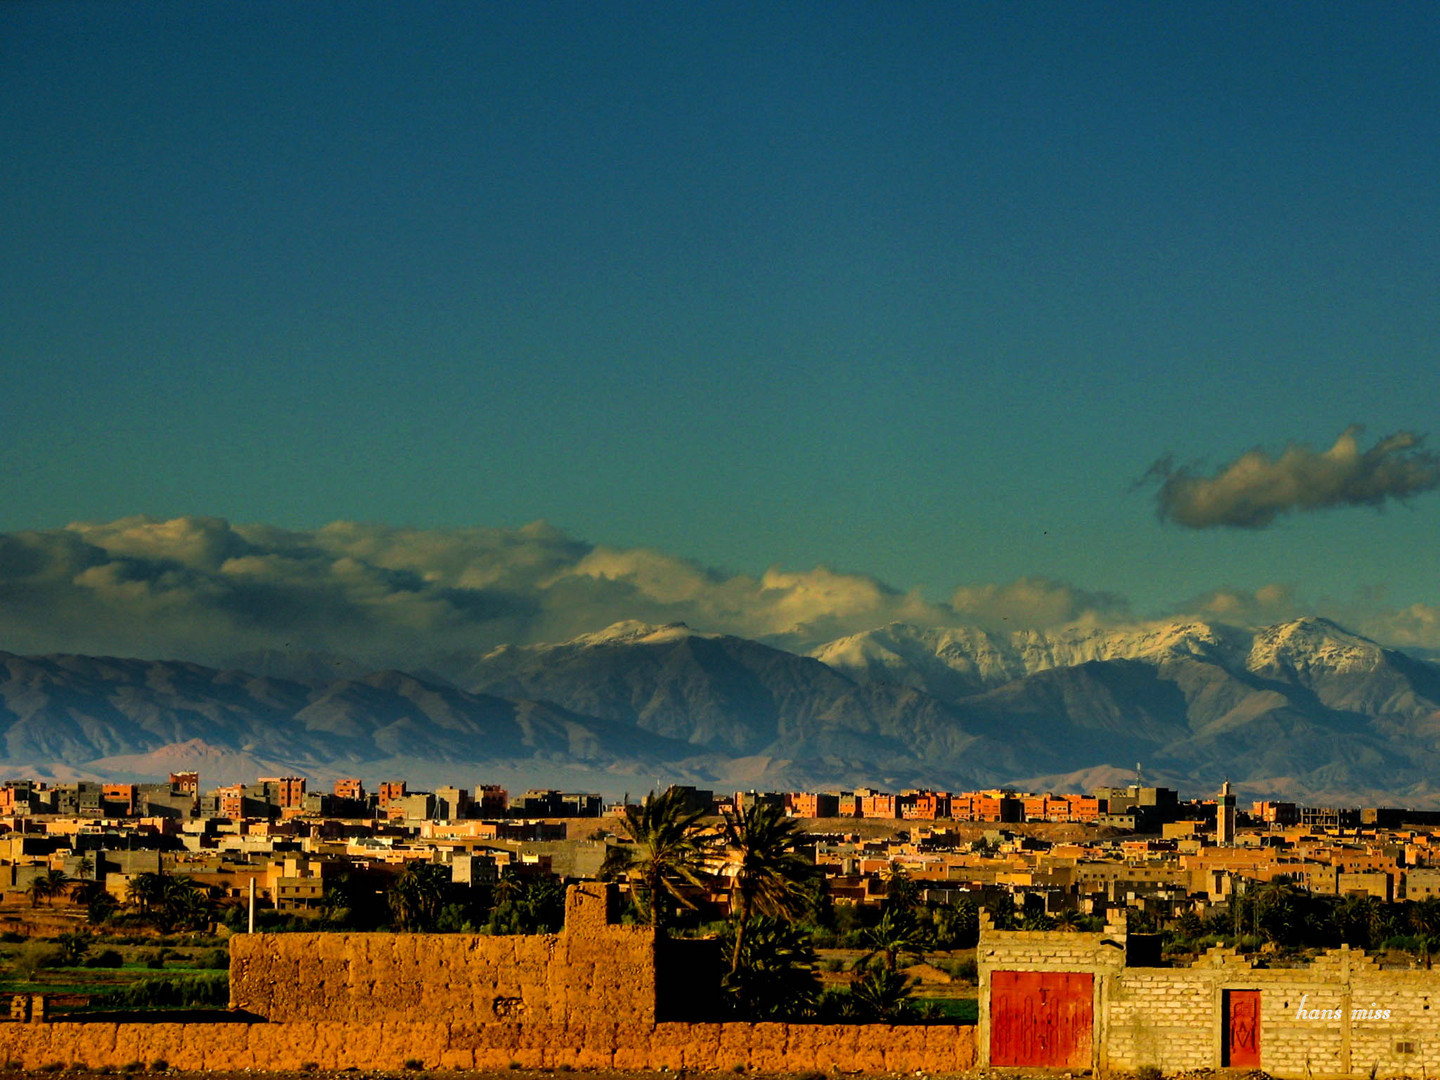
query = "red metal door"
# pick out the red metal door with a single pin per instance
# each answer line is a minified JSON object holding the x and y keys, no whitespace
{"x":1041,"y":1018}
{"x":1242,"y":1029}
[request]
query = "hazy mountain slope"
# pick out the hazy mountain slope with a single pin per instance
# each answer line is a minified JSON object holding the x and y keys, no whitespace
{"x":721,"y":693}
{"x":1296,"y":708}
{"x":75,"y":710}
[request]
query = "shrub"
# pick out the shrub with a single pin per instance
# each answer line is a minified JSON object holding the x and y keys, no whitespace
{"x":159,"y":1065}
{"x":194,"y":991}
{"x":216,"y":959}
{"x":133,"y":1067}
{"x":105,"y":958}
{"x":1148,"y":1072}
{"x":414,"y":1064}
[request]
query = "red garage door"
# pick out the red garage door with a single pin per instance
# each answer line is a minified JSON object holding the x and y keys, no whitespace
{"x":1041,"y":1018}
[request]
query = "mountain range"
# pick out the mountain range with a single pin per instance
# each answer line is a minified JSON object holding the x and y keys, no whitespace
{"x":1303,"y":710}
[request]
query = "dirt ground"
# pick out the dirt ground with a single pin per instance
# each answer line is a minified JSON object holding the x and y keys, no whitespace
{"x":478,"y":1074}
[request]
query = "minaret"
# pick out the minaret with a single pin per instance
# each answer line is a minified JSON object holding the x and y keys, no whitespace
{"x":1225,"y":817}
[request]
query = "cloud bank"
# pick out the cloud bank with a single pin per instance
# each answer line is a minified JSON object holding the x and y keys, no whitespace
{"x":203,"y":589}
{"x":1254,"y":489}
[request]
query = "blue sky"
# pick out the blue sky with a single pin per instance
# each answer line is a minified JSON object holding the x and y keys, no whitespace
{"x":917,"y":292}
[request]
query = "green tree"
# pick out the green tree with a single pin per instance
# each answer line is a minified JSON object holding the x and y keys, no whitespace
{"x":902,"y":893}
{"x":767,"y":875}
{"x":418,"y":895}
{"x":774,"y":977}
{"x":881,"y":994}
{"x":1424,"y":919}
{"x":38,"y":889}
{"x":956,"y":926}
{"x":184,"y":904}
{"x":146,"y":890}
{"x":667,"y":851}
{"x":897,"y":933}
{"x":1278,"y":905}
{"x":73,"y":947}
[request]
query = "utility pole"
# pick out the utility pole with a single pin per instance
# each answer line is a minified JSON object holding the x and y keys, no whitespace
{"x":252,"y":903}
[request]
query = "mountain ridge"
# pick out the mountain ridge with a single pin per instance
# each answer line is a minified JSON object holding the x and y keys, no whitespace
{"x":1303,"y":706}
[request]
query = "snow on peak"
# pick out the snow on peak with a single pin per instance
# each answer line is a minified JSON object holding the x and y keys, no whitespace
{"x":635,"y":632}
{"x":1312,"y":643}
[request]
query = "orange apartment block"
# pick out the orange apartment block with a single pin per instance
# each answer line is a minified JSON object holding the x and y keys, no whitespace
{"x":232,"y":801}
{"x":289,"y":790}
{"x":879,"y":805}
{"x":391,"y":790}
{"x":349,"y":787}
{"x":121,"y":796}
{"x":925,"y":805}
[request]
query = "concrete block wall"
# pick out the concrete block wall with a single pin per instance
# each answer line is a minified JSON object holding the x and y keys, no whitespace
{"x":593,"y":969}
{"x":1044,"y":950}
{"x":1340,"y":1016}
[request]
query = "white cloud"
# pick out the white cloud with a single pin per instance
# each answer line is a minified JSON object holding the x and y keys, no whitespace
{"x":1255,"y":488}
{"x":203,"y":589}
{"x":1034,"y":603}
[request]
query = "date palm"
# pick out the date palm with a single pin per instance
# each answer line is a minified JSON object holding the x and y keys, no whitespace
{"x":668,"y":850}
{"x":418,"y":895}
{"x":896,"y":933}
{"x":56,"y":882}
{"x":767,"y":875}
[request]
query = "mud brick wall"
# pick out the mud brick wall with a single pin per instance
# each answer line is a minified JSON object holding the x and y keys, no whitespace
{"x":791,"y":1048}
{"x":591,"y":970}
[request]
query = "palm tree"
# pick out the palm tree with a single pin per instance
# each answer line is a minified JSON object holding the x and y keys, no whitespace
{"x":1425,"y":921}
{"x":901,"y":892}
{"x":775,"y":978}
{"x":767,"y":875}
{"x":896,"y":933}
{"x":56,"y":882}
{"x":185,"y":904}
{"x":667,"y":851}
{"x":146,"y":890}
{"x":881,"y":993}
{"x":38,"y":889}
{"x":418,"y":895}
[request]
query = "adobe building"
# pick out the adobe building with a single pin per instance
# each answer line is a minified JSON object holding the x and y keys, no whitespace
{"x":1099,"y":1001}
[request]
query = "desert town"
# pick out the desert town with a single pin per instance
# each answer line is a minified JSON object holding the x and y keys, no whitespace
{"x":1016,"y":929}
{"x":1139,"y":848}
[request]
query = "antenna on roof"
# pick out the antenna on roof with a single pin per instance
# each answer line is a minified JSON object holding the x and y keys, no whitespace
{"x":1139,"y":779}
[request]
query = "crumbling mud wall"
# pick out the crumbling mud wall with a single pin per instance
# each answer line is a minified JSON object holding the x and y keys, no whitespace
{"x":592,"y":970}
{"x":582,"y":999}
{"x":602,"y":1045}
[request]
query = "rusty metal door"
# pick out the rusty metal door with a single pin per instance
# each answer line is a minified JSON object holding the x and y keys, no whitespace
{"x":1042,"y":1018}
{"x":1242,"y":1029}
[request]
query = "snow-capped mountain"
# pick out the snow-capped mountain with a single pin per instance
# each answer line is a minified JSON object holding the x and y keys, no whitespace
{"x":1303,"y":709}
{"x":941,"y":659}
